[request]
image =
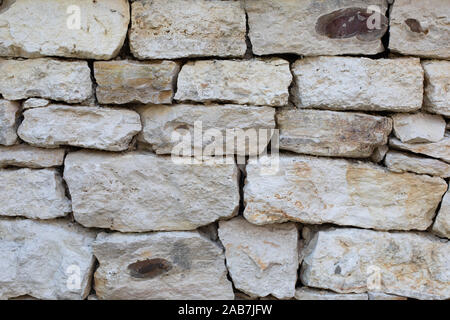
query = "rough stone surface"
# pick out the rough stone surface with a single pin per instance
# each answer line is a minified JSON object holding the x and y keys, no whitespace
{"x":379,"y":153}
{"x":88,"y":127}
{"x":442,"y":223}
{"x":39,"y":259}
{"x":161,"y":265}
{"x":418,"y":127}
{"x":440,"y":150}
{"x":187,"y":28}
{"x":304,"y":293}
{"x":160,"y":123}
{"x":26,"y":30}
{"x":262,"y":260}
{"x":330,"y":133}
{"x":131,"y":81}
{"x":36,"y":194}
{"x":23,"y":155}
{"x":68,"y":81}
{"x":353,"y":260}
{"x":254,"y":82}
{"x":402,"y":162}
{"x":294,"y":26}
{"x":384,"y":296}
{"x":35,"y":103}
{"x":437,"y":89}
{"x":140,"y":191}
{"x":351,"y":83}
{"x":420,"y":28}
{"x":319,"y":190}
{"x":9,"y":114}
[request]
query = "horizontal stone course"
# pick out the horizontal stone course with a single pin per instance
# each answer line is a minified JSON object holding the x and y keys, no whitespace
{"x":23,"y":155}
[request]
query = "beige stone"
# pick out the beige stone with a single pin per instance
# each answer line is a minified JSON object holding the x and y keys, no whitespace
{"x":35,"y":103}
{"x":23,"y":155}
{"x":441,"y":225}
{"x":379,"y":153}
{"x":439,"y":150}
{"x":384,"y":296}
{"x":305,"y":293}
{"x":418,"y":127}
{"x":437,"y":88}
{"x":403,"y":162}
{"x":9,"y":114}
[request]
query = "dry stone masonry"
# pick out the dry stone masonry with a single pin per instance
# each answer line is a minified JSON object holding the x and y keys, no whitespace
{"x":234,"y":149}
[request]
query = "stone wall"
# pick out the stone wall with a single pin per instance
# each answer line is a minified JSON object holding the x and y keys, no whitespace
{"x":346,"y":198}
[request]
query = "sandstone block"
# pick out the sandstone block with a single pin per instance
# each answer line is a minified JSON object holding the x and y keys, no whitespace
{"x":437,"y":90}
{"x":440,"y":150}
{"x":442,"y":223}
{"x":402,"y":162}
{"x":23,"y":155}
{"x":418,"y":127}
{"x":9,"y":114}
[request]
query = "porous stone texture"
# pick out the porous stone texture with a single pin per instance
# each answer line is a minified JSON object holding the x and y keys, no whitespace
{"x":23,"y":155}
{"x":437,"y":90}
{"x":44,"y":259}
{"x":384,"y":296}
{"x":26,"y":29}
{"x":420,"y":28}
{"x":161,"y":265}
{"x":35,"y":103}
{"x":441,"y":225}
{"x":262,"y":260}
{"x":418,"y":127}
{"x":35,"y":194}
{"x":187,"y":28}
{"x":218,"y":125}
{"x":310,"y":28}
{"x":439,"y":150}
{"x":354,"y":261}
{"x":68,"y":81}
{"x":319,"y":190}
{"x":9,"y":114}
{"x":129,"y":81}
{"x":403,"y":162}
{"x":88,"y":127}
{"x":140,"y":191}
{"x":305,"y":293}
{"x":352,"y":83}
{"x":254,"y":82}
{"x":331,"y":133}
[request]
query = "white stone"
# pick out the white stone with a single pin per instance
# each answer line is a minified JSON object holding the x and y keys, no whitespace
{"x":403,"y":162}
{"x":89,"y":127}
{"x":321,"y":190}
{"x":352,"y":83}
{"x":68,"y":81}
{"x":418,"y":127}
{"x":23,"y":155}
{"x":254,"y":82}
{"x":30,"y":28}
{"x":44,"y":259}
{"x":437,"y":90}
{"x":439,"y":150}
{"x":139,"y":191}
{"x":162,"y":265}
{"x":441,"y":225}
{"x":35,"y":103}
{"x":384,"y":296}
{"x":173,"y":29}
{"x":9,"y":114}
{"x":355,"y":261}
{"x":262,"y":260}
{"x":305,"y":293}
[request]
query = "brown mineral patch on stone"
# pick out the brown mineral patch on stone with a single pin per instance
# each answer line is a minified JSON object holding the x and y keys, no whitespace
{"x":149,"y":268}
{"x":415,"y":26}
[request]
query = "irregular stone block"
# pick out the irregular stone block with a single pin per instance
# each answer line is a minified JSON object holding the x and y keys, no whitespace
{"x":420,"y":28}
{"x":441,"y":225}
{"x":353,"y":260}
{"x":218,"y":126}
{"x":23,"y":155}
{"x":440,"y":150}
{"x":320,"y":190}
{"x":140,"y":191}
{"x":350,"y":83}
{"x":88,"y":127}
{"x":262,"y":260}
{"x":68,"y":81}
{"x":187,"y":28}
{"x":83,"y":29}
{"x":332,"y":134}
{"x":311,"y":28}
{"x":161,"y":265}
{"x":35,"y":103}
{"x":9,"y":114}
{"x":305,"y":293}
{"x":254,"y":82}
{"x":35,"y":194}
{"x":437,"y":91}
{"x":418,"y":127}
{"x":402,"y":162}
{"x":45,"y":260}
{"x":379,"y":153}
{"x":132,"y":81}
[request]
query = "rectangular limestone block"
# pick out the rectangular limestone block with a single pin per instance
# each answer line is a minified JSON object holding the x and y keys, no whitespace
{"x":351,"y":83}
{"x":331,"y":133}
{"x":139,"y":191}
{"x":23,"y":155}
{"x":314,"y":28}
{"x":35,"y":194}
{"x":420,"y":28}
{"x":253,"y":82}
{"x":82,"y":29}
{"x":68,"y":81}
{"x":160,"y":265}
{"x":173,"y":29}
{"x":405,"y":162}
{"x":126,"y":81}
{"x":9,"y":115}
{"x":320,"y":190}
{"x":88,"y":127}
{"x":441,"y":225}
{"x":49,"y":260}
{"x":222,"y":129}
{"x":350,"y":260}
{"x":437,"y":87}
{"x":439,"y":150}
